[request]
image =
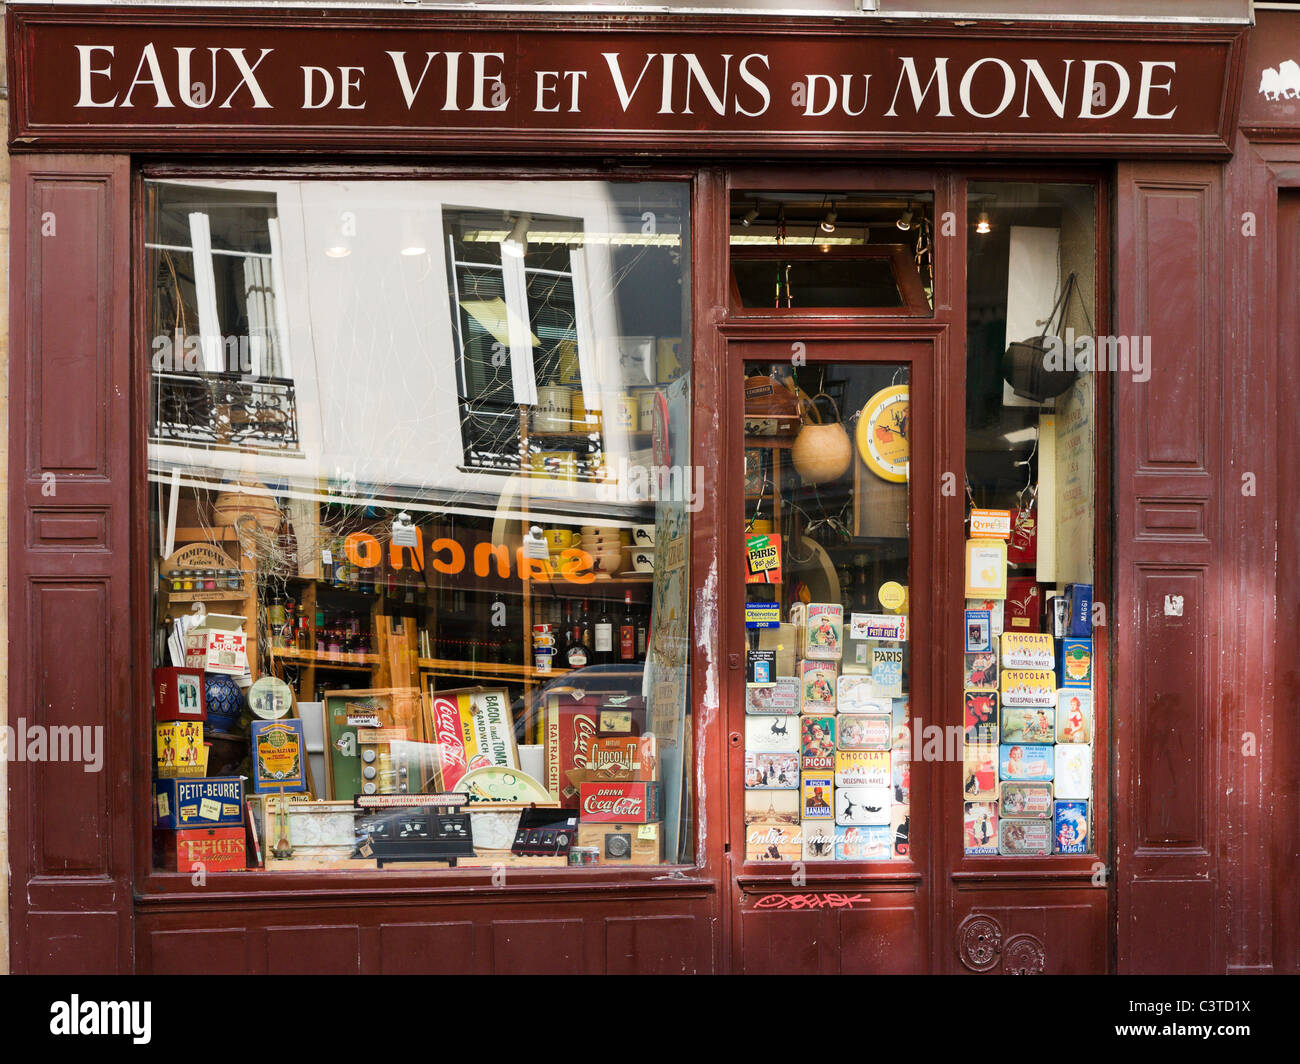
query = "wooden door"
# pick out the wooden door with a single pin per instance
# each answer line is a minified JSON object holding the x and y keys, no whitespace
{"x":794,"y":907}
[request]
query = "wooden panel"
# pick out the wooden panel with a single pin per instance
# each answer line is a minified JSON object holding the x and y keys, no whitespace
{"x":1162,"y":930}
{"x":198,"y":951}
{"x":654,"y":945}
{"x":1174,"y":631}
{"x":537,"y":947}
{"x":1049,"y":930}
{"x":314,"y":950}
{"x":69,"y":709}
{"x":888,"y":940}
{"x":782,"y":943}
{"x":1172,"y":307}
{"x":73,"y":943}
{"x":69,"y":601}
{"x":426,"y":948}
{"x":1172,"y":729}
{"x":70,"y":327}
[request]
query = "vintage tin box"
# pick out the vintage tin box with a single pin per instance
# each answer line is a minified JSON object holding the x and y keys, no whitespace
{"x":619,"y":803}
{"x":215,"y":849}
{"x":1024,"y":838}
{"x":1074,"y":662}
{"x":1024,"y":761}
{"x":215,"y":801}
{"x":629,"y":844}
{"x":1030,"y":801}
{"x":1072,"y":829}
{"x":178,"y":694}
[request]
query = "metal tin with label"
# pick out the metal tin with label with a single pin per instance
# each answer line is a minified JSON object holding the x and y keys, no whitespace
{"x":771,"y":772}
{"x":1026,"y":800}
{"x":780,"y":699}
{"x":862,"y":768}
{"x":1027,"y":650}
{"x":865,"y":731}
{"x":775,"y":735}
{"x":862,"y":805}
{"x":1071,"y":825}
{"x":816,"y":796}
{"x":1028,"y":687}
{"x":1024,"y":761}
{"x":1024,"y":838}
{"x":1028,"y":724}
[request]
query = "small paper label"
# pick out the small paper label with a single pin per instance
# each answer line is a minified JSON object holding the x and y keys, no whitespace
{"x":209,"y":809}
{"x":762,"y":614}
{"x":647,"y":831}
{"x":326,"y":557}
{"x":164,"y":807}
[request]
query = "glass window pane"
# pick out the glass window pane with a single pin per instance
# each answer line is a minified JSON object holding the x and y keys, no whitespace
{"x":420,"y":482}
{"x":827,"y":772}
{"x":1030,"y":725}
{"x":806,"y":251}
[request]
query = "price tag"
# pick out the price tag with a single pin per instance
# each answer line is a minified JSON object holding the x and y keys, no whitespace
{"x":647,"y":831}
{"x":209,"y":809}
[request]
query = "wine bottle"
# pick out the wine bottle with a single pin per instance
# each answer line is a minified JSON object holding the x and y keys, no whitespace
{"x":627,"y":632}
{"x":604,"y":635}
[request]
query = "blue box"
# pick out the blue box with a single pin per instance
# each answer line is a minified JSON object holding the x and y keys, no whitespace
{"x":1079,"y":624}
{"x":1072,"y":832}
{"x":1074,"y":662}
{"x":183,"y":803}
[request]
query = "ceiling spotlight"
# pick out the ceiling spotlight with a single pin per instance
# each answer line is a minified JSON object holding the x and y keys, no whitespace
{"x":905,"y":220}
{"x":341,"y":248}
{"x":982,"y":226}
{"x":750,"y":217}
{"x":516,"y":243}
{"x":412,"y":245}
{"x":828,"y":223}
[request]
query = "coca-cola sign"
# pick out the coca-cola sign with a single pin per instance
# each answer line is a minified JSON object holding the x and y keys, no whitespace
{"x":619,"y":803}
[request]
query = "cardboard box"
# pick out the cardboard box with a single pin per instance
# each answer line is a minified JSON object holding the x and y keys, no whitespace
{"x":218,"y":646}
{"x":619,"y":803}
{"x":630,"y":844}
{"x":178,"y":694}
{"x":180,"y":749}
{"x":216,"y":849}
{"x":213,"y":801}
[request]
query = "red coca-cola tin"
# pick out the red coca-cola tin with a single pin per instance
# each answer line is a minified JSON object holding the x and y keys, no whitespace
{"x":619,"y":803}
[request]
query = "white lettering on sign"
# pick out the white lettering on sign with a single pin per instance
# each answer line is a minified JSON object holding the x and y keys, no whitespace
{"x":725,"y":83}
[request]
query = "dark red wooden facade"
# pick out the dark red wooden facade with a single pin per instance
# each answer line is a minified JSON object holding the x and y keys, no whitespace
{"x":1198,"y":491}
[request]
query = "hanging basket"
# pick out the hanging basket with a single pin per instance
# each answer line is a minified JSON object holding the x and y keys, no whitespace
{"x":822,"y":451}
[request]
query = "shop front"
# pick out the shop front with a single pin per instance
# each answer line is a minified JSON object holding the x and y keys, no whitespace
{"x":640,"y":495}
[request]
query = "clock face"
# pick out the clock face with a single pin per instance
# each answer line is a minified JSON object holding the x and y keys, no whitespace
{"x":882,"y":433}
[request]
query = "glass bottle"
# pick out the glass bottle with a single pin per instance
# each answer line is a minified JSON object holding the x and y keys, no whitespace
{"x":627,"y":632}
{"x":604,"y":635}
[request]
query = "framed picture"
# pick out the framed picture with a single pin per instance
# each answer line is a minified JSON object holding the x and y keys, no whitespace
{"x":986,"y":568}
{"x":279,"y":756}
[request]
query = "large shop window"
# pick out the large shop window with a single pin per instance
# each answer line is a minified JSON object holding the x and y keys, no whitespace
{"x":1030,"y":720}
{"x":420,"y":500}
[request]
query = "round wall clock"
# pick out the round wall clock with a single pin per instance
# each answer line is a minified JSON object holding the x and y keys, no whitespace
{"x":882,"y":433}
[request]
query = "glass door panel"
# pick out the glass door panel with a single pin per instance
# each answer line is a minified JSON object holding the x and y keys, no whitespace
{"x":828,"y":662}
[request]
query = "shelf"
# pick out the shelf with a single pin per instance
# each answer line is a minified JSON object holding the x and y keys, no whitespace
{"x":325,"y":661}
{"x":463,"y":668}
{"x":783,"y":443}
